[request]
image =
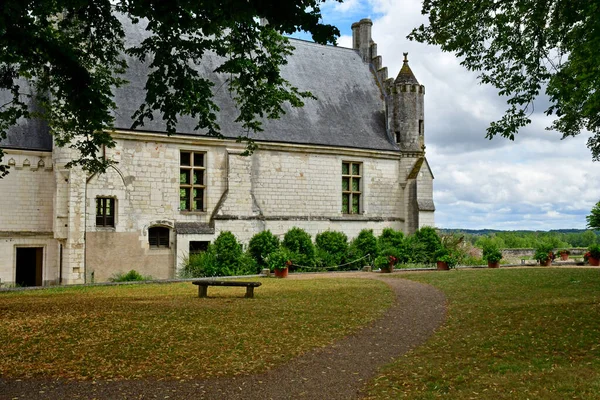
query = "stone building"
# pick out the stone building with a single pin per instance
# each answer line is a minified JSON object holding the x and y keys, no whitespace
{"x":352,"y":159}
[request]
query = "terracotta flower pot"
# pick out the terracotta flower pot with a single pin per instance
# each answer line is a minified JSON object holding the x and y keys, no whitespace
{"x":387,"y":269}
{"x":595,"y":262}
{"x":493,"y":264}
{"x":546,"y":263}
{"x":442,"y":266}
{"x":564,"y":257}
{"x":281,"y":273}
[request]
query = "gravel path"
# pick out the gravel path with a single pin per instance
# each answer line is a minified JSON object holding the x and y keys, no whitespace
{"x":334,"y":372}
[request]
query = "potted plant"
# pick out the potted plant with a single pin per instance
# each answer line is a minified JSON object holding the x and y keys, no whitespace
{"x":279,"y":262}
{"x":383,"y":263}
{"x":544,"y":254}
{"x":593,"y":255}
{"x":389,"y":258}
{"x":492,"y":255}
{"x":445,"y":260}
{"x":564,"y":254}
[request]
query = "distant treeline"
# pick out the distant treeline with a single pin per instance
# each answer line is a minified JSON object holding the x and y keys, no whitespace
{"x":562,"y":238}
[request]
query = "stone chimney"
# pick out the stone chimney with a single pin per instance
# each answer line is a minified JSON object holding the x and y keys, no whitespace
{"x":361,"y":38}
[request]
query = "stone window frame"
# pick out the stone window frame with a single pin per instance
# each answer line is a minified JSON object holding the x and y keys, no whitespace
{"x":189,"y":170}
{"x":352,"y":190}
{"x":104,"y":220}
{"x":159,"y":237}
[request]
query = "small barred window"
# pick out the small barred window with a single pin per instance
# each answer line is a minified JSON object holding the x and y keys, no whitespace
{"x":105,"y":211}
{"x":158,"y":236}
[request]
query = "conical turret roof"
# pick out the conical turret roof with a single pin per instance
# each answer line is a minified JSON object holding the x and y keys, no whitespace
{"x":406,"y":76}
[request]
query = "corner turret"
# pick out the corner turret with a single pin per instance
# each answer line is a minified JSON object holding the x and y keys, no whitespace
{"x":406,"y":102}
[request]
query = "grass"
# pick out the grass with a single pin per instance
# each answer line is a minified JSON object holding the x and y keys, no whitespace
{"x":166,"y":332}
{"x":510,"y":334}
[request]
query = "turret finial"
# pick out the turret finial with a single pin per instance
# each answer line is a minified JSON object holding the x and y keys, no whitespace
{"x":405,"y":76}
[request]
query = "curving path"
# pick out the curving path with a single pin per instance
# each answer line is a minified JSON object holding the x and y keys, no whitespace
{"x":335,"y":372}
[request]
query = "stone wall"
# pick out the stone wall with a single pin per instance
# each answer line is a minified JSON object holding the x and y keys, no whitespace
{"x":276,"y":188}
{"x":26,"y":212}
{"x":27,"y":192}
{"x":110,"y":253}
{"x":516,"y":253}
{"x":280,"y":186}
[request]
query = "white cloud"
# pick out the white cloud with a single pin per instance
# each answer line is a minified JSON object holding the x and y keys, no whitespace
{"x":347,"y":5}
{"x":535,"y":182}
{"x":345,"y":41}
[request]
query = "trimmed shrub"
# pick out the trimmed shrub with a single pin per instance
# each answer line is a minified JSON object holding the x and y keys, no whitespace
{"x":365,"y":243}
{"x":332,"y":248}
{"x":391,"y":252}
{"x":261,"y":246}
{"x":247,"y":266}
{"x":228,"y":251}
{"x":200,"y":265}
{"x":415,"y":250}
{"x":223,"y":258}
{"x":300,"y":245}
{"x":391,"y":243}
{"x":423,"y":245}
{"x":390,"y":238}
{"x":131,"y":276}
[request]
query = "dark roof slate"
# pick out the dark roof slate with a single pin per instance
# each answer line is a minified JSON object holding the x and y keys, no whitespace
{"x":425,"y":205}
{"x":349,"y":110}
{"x":28,"y":134}
{"x":190,"y":228}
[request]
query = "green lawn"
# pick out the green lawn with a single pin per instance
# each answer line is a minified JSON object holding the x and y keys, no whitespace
{"x":166,"y":331}
{"x":510,"y":334}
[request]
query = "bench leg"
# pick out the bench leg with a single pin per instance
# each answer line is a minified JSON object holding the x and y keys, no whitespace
{"x":202,"y":291}
{"x":250,"y":292}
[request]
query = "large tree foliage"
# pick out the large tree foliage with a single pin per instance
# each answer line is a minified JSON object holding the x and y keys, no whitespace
{"x":71,"y":51}
{"x":593,"y":220}
{"x":522,"y":47}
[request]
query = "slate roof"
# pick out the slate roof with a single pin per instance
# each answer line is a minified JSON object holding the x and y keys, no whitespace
{"x":425,"y":205}
{"x":349,"y":111}
{"x":187,"y":228}
{"x":28,"y":134}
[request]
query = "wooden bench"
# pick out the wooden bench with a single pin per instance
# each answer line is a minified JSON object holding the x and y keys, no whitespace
{"x":203,"y":286}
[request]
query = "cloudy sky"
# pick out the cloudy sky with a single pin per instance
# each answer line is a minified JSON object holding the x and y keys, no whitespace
{"x":537,"y":182}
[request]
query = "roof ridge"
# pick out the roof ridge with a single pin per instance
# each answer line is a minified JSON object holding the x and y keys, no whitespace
{"x":309,"y":42}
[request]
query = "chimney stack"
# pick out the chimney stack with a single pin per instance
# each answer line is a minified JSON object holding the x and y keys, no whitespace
{"x":361,"y":38}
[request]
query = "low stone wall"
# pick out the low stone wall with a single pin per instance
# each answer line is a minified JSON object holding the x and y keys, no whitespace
{"x":517,"y":253}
